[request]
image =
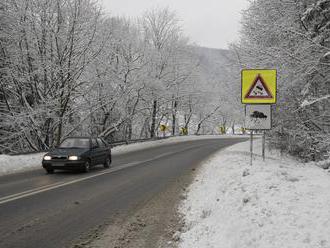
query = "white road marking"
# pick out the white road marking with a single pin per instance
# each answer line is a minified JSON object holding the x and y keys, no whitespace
{"x":28,"y":191}
{"x":59,"y":184}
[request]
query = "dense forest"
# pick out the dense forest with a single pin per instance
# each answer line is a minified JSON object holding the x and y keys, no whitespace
{"x":293,"y":37}
{"x":67,"y":68}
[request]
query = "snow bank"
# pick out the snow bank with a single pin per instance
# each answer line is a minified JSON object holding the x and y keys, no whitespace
{"x":12,"y":164}
{"x":149,"y":144}
{"x":277,"y":203}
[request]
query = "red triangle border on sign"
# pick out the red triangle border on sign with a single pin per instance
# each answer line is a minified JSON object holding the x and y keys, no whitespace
{"x":259,"y":77}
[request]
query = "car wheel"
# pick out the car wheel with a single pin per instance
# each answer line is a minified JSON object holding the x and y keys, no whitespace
{"x":107,"y":162}
{"x":50,"y":171}
{"x":87,"y":166}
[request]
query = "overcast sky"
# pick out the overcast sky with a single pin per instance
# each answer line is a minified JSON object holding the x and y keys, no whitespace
{"x":209,"y":23}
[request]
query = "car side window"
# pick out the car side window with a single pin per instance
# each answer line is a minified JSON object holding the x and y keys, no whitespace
{"x":101,"y":144}
{"x":94,"y":143}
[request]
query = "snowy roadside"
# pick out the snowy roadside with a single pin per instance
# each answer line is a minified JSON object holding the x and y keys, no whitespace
{"x":150,"y":144}
{"x":277,"y":203}
{"x":18,"y":163}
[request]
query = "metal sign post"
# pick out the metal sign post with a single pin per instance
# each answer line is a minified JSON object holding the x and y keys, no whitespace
{"x":263,"y":145}
{"x":251,"y":147}
{"x":258,"y":117}
{"x":258,"y":92}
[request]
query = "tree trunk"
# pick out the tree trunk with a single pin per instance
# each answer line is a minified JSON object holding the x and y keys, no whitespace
{"x":175,"y":104}
{"x":129,"y":130}
{"x":153,"y":119}
{"x":59,"y":133}
{"x":198,"y":128}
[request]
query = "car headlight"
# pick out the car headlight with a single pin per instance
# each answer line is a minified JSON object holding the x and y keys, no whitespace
{"x":47,"y":157}
{"x":73,"y":158}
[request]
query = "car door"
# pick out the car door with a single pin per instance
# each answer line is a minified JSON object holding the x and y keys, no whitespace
{"x":95,"y":152}
{"x":107,"y":147}
{"x":103,"y":150}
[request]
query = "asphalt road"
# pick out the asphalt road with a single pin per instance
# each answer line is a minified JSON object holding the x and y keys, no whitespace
{"x":39,"y":210}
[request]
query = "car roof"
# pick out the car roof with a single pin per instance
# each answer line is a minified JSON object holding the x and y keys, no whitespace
{"x":82,"y":137}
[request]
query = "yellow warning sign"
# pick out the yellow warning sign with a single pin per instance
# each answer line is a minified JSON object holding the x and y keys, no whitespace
{"x":258,"y":86}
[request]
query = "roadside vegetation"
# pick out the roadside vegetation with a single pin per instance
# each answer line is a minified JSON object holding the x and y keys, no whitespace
{"x":293,"y":37}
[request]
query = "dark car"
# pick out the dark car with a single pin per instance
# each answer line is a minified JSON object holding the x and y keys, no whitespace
{"x":78,"y":153}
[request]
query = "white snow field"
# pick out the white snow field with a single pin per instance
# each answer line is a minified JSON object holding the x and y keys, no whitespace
{"x":17,"y":163}
{"x":279,"y":203}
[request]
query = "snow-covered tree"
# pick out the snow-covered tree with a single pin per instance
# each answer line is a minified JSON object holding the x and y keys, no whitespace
{"x":68,"y":69}
{"x":293,"y":37}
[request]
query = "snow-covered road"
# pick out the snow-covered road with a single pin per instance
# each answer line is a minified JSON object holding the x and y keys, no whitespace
{"x":276,"y":203}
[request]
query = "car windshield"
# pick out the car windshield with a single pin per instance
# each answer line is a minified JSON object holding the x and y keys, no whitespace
{"x":75,"y":143}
